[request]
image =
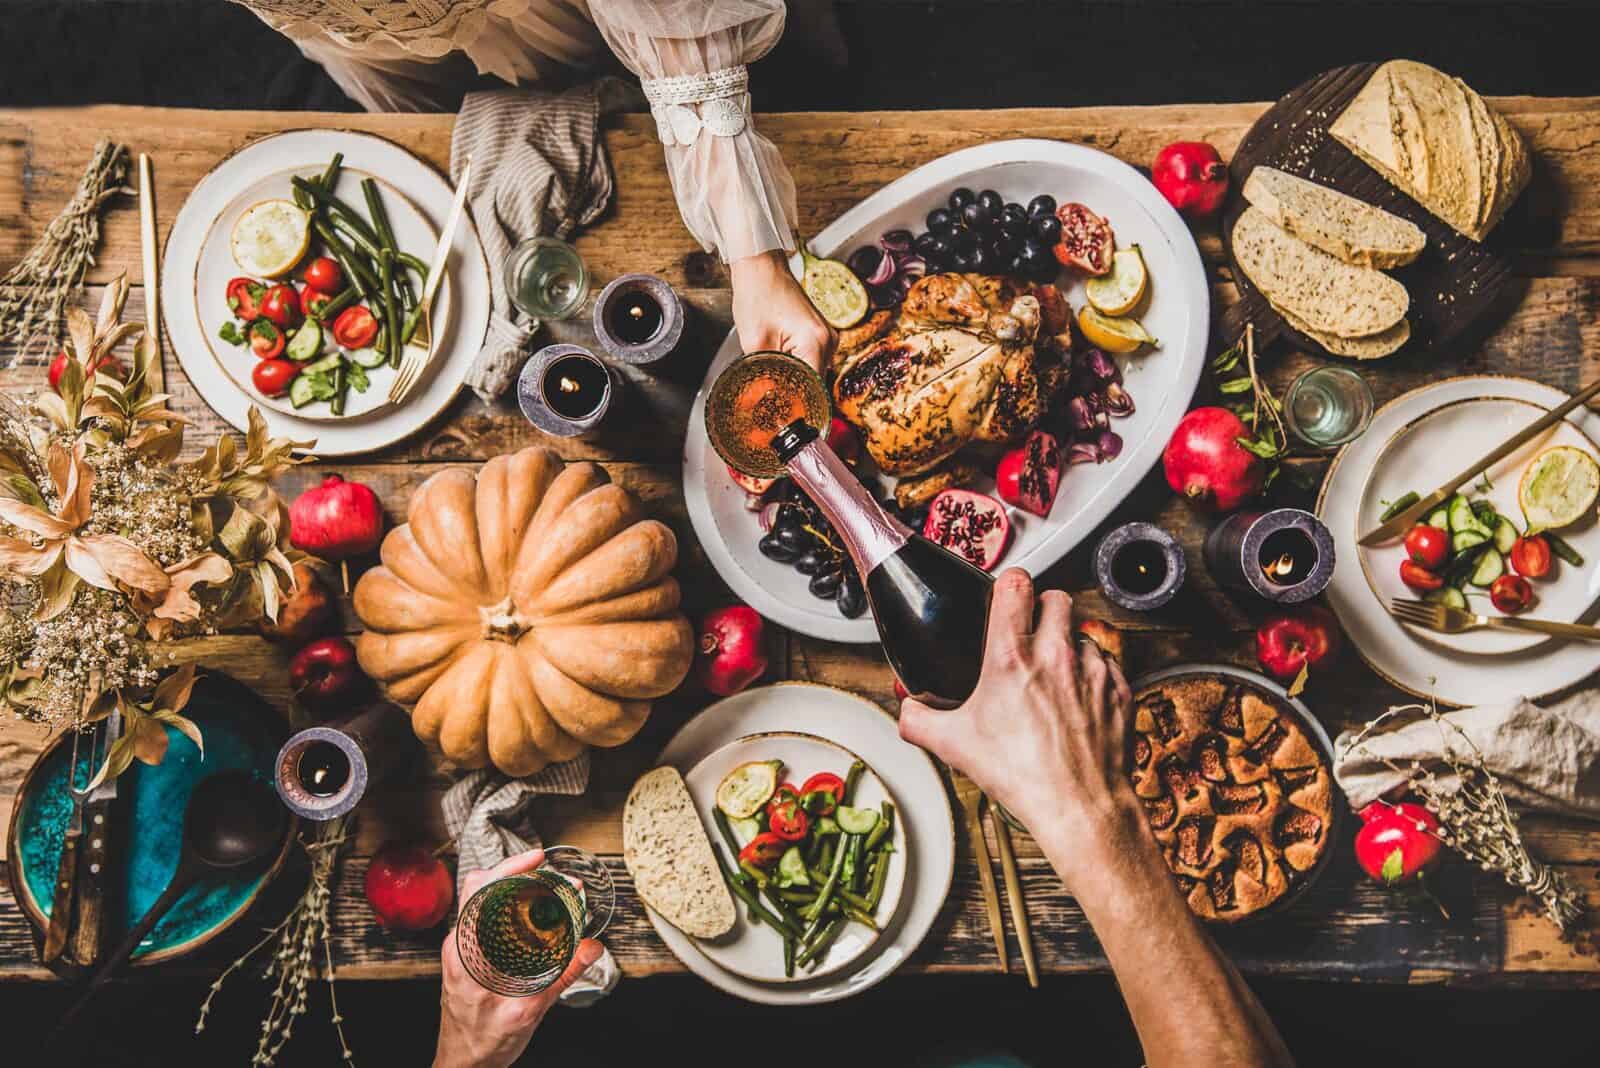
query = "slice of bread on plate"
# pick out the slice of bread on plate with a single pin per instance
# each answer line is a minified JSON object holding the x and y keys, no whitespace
{"x":1338,"y":224}
{"x":669,"y":856}
{"x":1372,"y":347}
{"x":1325,"y":292}
{"x":1439,"y":142}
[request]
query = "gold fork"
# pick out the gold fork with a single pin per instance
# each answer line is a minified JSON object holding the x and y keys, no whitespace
{"x":1446,"y":620}
{"x":420,"y":346}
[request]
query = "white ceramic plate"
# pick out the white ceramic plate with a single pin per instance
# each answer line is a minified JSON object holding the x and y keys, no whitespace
{"x":754,"y":950}
{"x":1426,"y":668}
{"x":1432,"y":449}
{"x":412,"y":233}
{"x":1161,"y":380}
{"x":923,"y":816}
{"x":191,"y":327}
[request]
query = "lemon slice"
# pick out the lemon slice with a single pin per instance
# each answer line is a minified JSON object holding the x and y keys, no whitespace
{"x":270,"y":238}
{"x":1112,"y":334}
{"x":1558,"y":488}
{"x":835,"y":291}
{"x":1121,"y":290}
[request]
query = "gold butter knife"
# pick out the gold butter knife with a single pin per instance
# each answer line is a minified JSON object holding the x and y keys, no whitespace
{"x":971,"y":799}
{"x":1014,"y":898}
{"x":1406,"y":518}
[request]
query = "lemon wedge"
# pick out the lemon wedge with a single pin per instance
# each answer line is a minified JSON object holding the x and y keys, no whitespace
{"x":270,"y":238}
{"x":1111,"y":333}
{"x":1120,"y":291}
{"x":1558,"y":488}
{"x":835,"y":291}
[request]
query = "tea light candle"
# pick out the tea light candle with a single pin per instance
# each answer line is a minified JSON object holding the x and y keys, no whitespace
{"x":566,"y":390}
{"x":322,"y":772}
{"x":1139,"y":566}
{"x":1284,"y":556}
{"x":639,"y":319}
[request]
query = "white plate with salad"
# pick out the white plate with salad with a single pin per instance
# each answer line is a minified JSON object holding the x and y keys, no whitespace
{"x":1416,"y":664}
{"x":811,"y":822}
{"x":1476,"y":551}
{"x":200,"y":262}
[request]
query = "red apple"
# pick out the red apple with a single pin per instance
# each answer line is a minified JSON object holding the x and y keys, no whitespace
{"x":408,"y":887}
{"x":324,"y":673}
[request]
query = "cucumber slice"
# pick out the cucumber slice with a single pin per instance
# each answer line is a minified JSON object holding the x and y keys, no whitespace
{"x":369,"y":358}
{"x":325,"y":366}
{"x":1447,"y":595}
{"x":856,"y":820}
{"x":1461,"y":514}
{"x":306,"y":342}
{"x":1491,"y":565}
{"x":1439,"y":517}
{"x":300,"y":391}
{"x":1505,"y":535}
{"x":792,"y":868}
{"x":745,"y":830}
{"x":1463,"y":540}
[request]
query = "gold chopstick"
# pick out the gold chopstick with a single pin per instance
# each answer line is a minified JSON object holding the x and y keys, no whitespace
{"x":1019,"y":905}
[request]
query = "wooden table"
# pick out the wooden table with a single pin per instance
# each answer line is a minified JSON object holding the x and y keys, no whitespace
{"x":1344,"y":928}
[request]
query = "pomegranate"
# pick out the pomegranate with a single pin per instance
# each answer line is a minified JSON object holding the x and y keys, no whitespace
{"x":972,"y":525}
{"x":1086,"y":240}
{"x":1205,"y":462}
{"x":324,"y":673}
{"x":732,"y":649}
{"x":336,"y":520}
{"x":750,"y":483}
{"x":1397,"y":843}
{"x":108,"y":364}
{"x":1029,"y":474}
{"x":408,"y":887}
{"x":1191,"y":176}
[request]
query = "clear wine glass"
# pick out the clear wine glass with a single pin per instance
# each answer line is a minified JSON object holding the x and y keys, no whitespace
{"x":517,"y":935}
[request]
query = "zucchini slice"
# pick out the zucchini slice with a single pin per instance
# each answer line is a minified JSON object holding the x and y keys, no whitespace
{"x":1491,"y":565}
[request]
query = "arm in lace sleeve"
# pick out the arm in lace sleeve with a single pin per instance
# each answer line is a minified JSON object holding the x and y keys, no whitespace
{"x":733,"y":190}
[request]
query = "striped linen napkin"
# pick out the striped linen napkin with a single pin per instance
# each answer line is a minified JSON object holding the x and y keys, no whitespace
{"x":539,"y":168}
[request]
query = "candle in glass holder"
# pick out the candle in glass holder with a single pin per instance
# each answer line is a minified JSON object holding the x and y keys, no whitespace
{"x":322,"y":772}
{"x":566,"y":390}
{"x":639,"y":319}
{"x":1284,"y":556}
{"x":1139,"y":566}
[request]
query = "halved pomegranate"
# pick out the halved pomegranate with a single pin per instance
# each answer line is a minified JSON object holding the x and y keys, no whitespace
{"x":749,"y":483}
{"x":1086,"y":240}
{"x":1029,"y":474}
{"x":972,"y":525}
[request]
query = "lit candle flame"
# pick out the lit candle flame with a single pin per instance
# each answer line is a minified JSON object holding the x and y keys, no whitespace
{"x":1281,"y":568}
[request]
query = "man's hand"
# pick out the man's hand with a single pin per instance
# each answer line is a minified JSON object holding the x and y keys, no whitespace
{"x":482,"y":1029}
{"x":774,"y":314}
{"x":1045,"y":733}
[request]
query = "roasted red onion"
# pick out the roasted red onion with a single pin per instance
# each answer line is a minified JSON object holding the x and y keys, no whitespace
{"x":884,"y":273}
{"x":896,"y":241}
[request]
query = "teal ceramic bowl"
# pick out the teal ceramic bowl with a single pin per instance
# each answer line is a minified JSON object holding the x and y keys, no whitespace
{"x":241,"y":733}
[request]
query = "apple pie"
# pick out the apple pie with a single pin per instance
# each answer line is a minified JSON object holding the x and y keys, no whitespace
{"x":1238,"y":794}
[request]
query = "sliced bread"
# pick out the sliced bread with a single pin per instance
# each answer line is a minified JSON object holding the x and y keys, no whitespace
{"x":1438,"y":141}
{"x":1372,"y":347}
{"x":1337,"y":223}
{"x":669,"y":856}
{"x":1327,"y":293}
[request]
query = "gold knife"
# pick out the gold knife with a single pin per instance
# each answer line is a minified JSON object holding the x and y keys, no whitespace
{"x":152,"y":268}
{"x":971,"y":799}
{"x":1405,"y":519}
{"x":1014,"y":898}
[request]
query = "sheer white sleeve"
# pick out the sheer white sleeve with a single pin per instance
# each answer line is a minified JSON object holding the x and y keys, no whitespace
{"x":733,"y":191}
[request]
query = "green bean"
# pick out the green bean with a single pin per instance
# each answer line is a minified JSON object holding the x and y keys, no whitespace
{"x":820,"y":942}
{"x":742,"y":891}
{"x":413,"y":263}
{"x":380,"y":223}
{"x":796,"y":895}
{"x":883,"y":829}
{"x":341,"y":384}
{"x":788,"y":957}
{"x":364,"y":243}
{"x":781,"y":908}
{"x":330,"y":177}
{"x":825,"y":861}
{"x":359,"y":276}
{"x":860,"y":916}
{"x":814,"y":912}
{"x":336,"y":209}
{"x":852,"y":777}
{"x":1563,"y":548}
{"x":391,"y":306}
{"x":753,"y":873}
{"x":858,"y":870}
{"x":1398,"y":505}
{"x":339,"y":303}
{"x":721,"y":819}
{"x":880,"y":879}
{"x":853,"y":899}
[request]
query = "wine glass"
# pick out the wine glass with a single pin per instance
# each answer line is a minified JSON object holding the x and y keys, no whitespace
{"x":517,"y":935}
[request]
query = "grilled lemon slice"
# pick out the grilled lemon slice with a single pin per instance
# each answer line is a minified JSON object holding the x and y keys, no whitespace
{"x":270,"y":238}
{"x":1111,"y":333}
{"x":835,"y":291}
{"x":1558,"y":488}
{"x":1120,"y":291}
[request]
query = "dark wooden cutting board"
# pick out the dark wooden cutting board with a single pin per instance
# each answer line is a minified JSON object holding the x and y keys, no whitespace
{"x":1459,"y":288}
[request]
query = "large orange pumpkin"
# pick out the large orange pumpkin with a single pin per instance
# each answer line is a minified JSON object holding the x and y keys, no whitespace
{"x":524,"y":613}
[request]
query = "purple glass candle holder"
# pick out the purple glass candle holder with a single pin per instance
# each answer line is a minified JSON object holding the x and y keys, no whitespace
{"x":639,"y":319}
{"x":323,"y":772}
{"x":566,"y":390}
{"x":1139,"y":566}
{"x":1284,"y":556}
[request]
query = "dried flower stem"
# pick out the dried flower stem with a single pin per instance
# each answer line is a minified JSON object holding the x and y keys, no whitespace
{"x":1475,"y":819}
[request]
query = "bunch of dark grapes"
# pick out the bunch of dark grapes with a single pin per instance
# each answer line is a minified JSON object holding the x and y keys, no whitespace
{"x":980,"y":232}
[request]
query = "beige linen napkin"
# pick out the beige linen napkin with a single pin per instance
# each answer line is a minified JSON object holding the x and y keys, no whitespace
{"x":1546,"y":758}
{"x":488,"y":815}
{"x":539,"y":168}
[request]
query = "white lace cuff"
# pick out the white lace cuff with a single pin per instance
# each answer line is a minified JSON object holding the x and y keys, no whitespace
{"x":683,"y":106}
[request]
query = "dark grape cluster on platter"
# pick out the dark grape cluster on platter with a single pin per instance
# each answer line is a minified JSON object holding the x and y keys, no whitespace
{"x":982,"y":233}
{"x":798,"y":534}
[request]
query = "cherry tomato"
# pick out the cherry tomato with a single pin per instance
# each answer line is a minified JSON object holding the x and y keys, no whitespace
{"x":763,"y":851}
{"x":789,"y":822}
{"x":1511,"y":594}
{"x":1418,"y":577}
{"x":783,"y":795}
{"x":822,"y":793}
{"x":272,"y":377}
{"x":1531,"y":556}
{"x":108,"y":365}
{"x":1427,"y":545}
{"x":324,"y":274}
{"x":244,"y":298}
{"x":266,"y":340}
{"x":355,"y":328}
{"x":282,"y":306}
{"x":312,"y":301}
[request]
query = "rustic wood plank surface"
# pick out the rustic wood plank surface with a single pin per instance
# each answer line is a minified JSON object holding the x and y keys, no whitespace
{"x":1345,"y":928}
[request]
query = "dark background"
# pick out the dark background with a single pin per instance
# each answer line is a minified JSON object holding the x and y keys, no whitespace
{"x":911,"y":54}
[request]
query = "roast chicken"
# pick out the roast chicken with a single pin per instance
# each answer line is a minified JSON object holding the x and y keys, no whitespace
{"x":951,"y":366}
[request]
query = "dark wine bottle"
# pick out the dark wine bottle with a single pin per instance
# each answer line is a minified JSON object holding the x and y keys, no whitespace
{"x":931,"y":606}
